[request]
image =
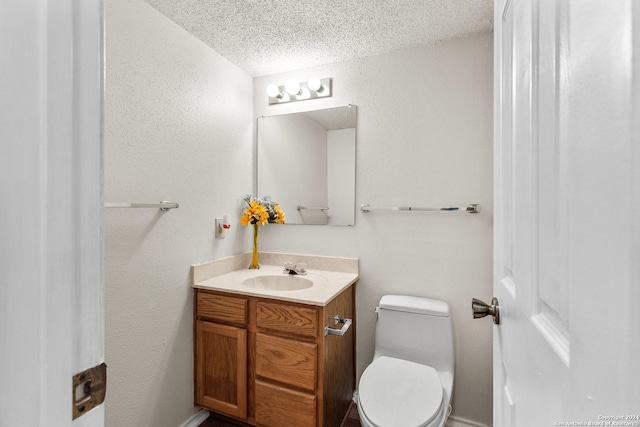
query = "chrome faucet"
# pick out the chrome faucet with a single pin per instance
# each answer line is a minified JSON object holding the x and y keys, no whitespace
{"x":291,"y":268}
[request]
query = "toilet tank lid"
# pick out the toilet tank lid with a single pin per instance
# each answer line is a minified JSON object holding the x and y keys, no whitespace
{"x":411,"y":304}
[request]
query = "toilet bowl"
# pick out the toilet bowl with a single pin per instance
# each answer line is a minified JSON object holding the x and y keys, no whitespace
{"x":409,"y":382}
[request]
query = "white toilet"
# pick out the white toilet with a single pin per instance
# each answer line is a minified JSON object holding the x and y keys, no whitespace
{"x":410,"y":380}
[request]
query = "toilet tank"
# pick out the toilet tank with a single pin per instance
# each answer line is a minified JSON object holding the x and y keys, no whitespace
{"x":416,"y":329}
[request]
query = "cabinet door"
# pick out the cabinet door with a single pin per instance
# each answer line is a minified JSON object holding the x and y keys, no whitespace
{"x":221,"y":368}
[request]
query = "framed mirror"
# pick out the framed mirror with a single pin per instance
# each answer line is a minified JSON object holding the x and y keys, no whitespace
{"x":307,"y":163}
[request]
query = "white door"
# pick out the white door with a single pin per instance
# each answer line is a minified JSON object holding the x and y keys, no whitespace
{"x":567,"y":224}
{"x":51,"y":275}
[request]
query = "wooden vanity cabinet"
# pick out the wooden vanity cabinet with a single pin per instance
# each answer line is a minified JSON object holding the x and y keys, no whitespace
{"x":268,"y":363}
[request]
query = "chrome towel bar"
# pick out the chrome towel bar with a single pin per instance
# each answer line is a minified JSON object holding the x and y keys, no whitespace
{"x":346,"y":323}
{"x":473,"y":208}
{"x":313,"y":208}
{"x":163,"y":205}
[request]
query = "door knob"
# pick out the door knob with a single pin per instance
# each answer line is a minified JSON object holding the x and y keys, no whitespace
{"x":481,"y":309}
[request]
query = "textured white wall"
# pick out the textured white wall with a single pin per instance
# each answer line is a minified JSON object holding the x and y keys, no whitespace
{"x":424,"y":138}
{"x":178,"y":126}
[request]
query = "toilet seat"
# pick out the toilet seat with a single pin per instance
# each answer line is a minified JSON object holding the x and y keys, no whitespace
{"x":398,"y":393}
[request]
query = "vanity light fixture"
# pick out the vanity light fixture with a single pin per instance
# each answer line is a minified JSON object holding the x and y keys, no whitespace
{"x":294,"y":90}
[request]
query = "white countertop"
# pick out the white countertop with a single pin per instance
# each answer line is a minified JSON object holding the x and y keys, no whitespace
{"x":326,"y":284}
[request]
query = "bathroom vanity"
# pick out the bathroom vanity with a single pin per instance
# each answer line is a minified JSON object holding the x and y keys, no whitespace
{"x":272,"y":349}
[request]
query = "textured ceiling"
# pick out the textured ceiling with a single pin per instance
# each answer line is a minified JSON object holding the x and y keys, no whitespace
{"x":334,"y":118}
{"x":266,"y":37}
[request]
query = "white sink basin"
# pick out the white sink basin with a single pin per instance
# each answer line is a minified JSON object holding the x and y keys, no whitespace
{"x":282,"y":282}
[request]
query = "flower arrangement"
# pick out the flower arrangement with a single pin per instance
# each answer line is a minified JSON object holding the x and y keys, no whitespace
{"x":260,"y":212}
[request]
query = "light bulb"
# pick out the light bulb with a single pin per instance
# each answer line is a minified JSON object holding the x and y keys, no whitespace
{"x":315,"y":84}
{"x":273,"y":91}
{"x":292,"y":87}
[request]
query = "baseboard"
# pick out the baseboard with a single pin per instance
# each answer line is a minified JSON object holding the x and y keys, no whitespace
{"x":196,"y":419}
{"x":454,"y":421}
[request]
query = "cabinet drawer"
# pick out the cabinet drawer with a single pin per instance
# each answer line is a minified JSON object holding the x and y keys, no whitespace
{"x":286,"y":361}
{"x":221,"y":308}
{"x":278,"y":406}
{"x":287,"y":318}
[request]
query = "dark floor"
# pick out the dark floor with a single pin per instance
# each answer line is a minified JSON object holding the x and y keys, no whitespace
{"x":353,"y":420}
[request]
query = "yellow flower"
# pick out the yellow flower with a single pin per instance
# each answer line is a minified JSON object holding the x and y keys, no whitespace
{"x":261,"y":211}
{"x":280,"y":217}
{"x":255,"y":214}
